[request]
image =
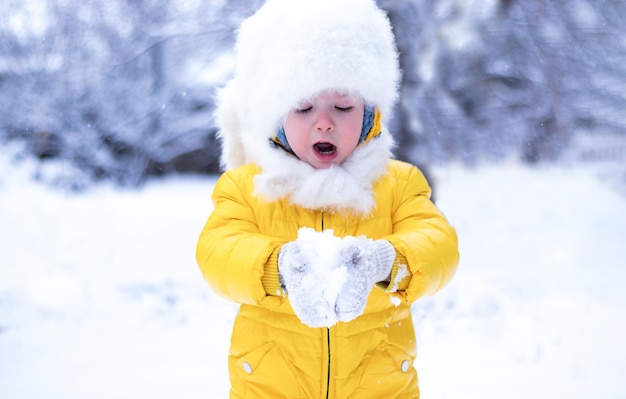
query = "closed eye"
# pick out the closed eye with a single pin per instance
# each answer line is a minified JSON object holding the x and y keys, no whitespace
{"x":303,"y":110}
{"x":344,"y":109}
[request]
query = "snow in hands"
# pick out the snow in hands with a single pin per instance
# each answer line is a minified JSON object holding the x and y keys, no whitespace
{"x":329,"y":278}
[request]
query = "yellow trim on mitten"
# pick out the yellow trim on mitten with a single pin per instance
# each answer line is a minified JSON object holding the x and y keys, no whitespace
{"x":400,"y":266}
{"x":270,"y":278}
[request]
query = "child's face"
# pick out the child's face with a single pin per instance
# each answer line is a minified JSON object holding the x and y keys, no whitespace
{"x":324,"y":130}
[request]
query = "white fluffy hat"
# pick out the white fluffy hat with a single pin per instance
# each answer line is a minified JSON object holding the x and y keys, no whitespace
{"x":291,"y":50}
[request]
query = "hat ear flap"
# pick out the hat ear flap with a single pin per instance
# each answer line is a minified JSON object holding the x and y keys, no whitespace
{"x":229,"y":132}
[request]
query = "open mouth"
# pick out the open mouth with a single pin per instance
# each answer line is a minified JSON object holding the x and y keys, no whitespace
{"x":325,"y":148}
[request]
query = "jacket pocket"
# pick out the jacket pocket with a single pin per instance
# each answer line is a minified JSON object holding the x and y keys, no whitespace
{"x":388,"y":372}
{"x":264,"y":372}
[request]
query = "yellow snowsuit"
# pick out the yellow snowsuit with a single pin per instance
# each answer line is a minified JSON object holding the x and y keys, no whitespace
{"x":273,"y":354}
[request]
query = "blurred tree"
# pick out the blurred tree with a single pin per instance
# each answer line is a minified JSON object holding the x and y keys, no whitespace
{"x":491,"y":79}
{"x":119,"y":89}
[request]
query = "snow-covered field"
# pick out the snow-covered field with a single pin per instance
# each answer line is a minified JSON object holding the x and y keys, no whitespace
{"x":100,"y":296}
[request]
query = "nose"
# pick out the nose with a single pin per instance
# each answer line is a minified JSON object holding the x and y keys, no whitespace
{"x":324,"y":122}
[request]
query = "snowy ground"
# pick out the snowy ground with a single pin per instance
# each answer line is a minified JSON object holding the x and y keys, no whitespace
{"x":100,"y":296}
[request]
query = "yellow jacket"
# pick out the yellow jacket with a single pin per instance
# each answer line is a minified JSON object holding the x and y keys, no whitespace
{"x":273,"y":354}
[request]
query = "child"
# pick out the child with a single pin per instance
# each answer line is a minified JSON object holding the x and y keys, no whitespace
{"x":316,"y":231}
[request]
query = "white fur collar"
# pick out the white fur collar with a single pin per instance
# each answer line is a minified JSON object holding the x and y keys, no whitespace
{"x":345,"y":188}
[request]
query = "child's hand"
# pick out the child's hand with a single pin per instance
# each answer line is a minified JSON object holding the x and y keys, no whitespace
{"x":309,"y":277}
{"x":367,"y":262}
{"x":328,"y":278}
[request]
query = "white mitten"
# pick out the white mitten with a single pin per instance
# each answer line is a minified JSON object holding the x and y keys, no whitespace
{"x":305,"y":275}
{"x":367,"y":262}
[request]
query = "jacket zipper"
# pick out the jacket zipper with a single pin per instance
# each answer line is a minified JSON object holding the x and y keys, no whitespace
{"x":328,"y":375}
{"x":327,"y":344}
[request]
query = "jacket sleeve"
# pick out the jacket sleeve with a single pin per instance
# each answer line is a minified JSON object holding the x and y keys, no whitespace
{"x":424,"y":239}
{"x":231,"y":252}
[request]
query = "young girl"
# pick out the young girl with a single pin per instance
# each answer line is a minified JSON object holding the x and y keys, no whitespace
{"x":316,"y":231}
